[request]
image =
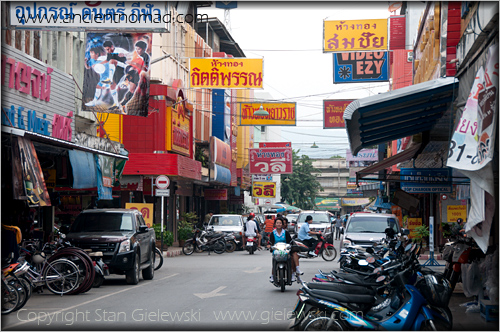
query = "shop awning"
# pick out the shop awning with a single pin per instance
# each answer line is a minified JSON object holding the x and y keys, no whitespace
{"x":399,"y":113}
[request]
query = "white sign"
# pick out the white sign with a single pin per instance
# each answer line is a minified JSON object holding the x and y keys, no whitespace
{"x":267,"y":201}
{"x":262,"y":177}
{"x":163,"y":192}
{"x":162,"y":182}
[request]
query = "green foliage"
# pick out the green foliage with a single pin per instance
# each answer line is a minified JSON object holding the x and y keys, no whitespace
{"x":421,"y":233}
{"x":201,"y":155}
{"x":336,"y":157}
{"x":190,"y":217}
{"x":169,"y":238}
{"x":184,"y":230}
{"x":447,"y":229}
{"x":301,"y":187}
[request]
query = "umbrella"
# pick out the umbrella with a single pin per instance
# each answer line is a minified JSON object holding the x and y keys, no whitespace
{"x":292,"y":208}
{"x":276,"y":207}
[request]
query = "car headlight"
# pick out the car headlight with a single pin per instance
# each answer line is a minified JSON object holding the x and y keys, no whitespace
{"x":124,"y":246}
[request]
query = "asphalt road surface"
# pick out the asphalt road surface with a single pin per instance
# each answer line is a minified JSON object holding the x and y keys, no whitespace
{"x":198,"y":292}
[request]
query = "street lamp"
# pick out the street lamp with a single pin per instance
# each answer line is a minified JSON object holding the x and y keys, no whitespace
{"x":314,"y":146}
{"x":261,"y":112}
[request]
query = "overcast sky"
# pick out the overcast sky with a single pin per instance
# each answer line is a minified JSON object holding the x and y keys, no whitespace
{"x":289,"y":36}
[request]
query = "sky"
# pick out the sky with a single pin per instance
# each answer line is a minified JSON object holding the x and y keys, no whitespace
{"x":289,"y":37}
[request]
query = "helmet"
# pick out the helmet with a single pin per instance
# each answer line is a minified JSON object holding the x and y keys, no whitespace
{"x":436,"y":289}
{"x":252,"y":214}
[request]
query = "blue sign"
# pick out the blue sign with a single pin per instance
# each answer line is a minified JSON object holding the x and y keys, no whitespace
{"x":226,"y":4}
{"x":426,"y":180}
{"x":222,"y":174}
{"x":359,"y":67}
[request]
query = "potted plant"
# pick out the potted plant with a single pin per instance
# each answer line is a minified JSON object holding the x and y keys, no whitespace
{"x":422,"y":234}
{"x":184,"y":231}
{"x":168,"y":237}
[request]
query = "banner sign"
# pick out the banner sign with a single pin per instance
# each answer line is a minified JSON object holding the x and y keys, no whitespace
{"x":333,"y":113}
{"x":234,"y":199}
{"x":116,"y":78}
{"x":472,"y":144}
{"x":226,"y":73}
{"x":412,"y":224}
{"x":264,"y":189}
{"x":453,"y":212}
{"x":356,"y":201}
{"x":363,"y":155}
{"x":104,"y":192}
{"x":359,"y":67}
{"x":280,"y":114}
{"x":220,"y":174}
{"x":426,"y":180}
{"x":180,"y":137}
{"x":147,"y":211}
{"x":275,"y":144}
{"x":220,"y":152}
{"x":271,"y":160}
{"x":91,"y":15}
{"x":327,"y":203}
{"x":215,"y":194}
{"x":262,"y":177}
{"x":354,"y":35}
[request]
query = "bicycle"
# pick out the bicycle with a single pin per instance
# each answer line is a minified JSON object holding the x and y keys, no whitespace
{"x":158,"y":259}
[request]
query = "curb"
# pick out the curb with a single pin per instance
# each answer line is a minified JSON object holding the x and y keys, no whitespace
{"x":425,"y":257}
{"x":172,"y":253}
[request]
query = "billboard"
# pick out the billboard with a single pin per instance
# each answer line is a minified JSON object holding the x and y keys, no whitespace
{"x":333,"y":113}
{"x":355,"y":35}
{"x":224,"y":73}
{"x":280,"y":114}
{"x":116,"y":78}
{"x":359,"y":67}
{"x":327,"y":203}
{"x":264,"y":189}
{"x":271,"y":160}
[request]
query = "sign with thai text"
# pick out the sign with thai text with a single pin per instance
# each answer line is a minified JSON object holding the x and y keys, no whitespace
{"x":271,"y":160}
{"x":146,"y":210}
{"x":264,"y":189}
{"x":355,"y":35}
{"x":412,"y":224}
{"x":275,"y":144}
{"x":220,"y":152}
{"x":333,"y":113}
{"x":363,"y":155}
{"x":453,"y":212}
{"x":215,"y":194}
{"x":356,"y":201}
{"x":280,"y":114}
{"x":426,"y":180}
{"x":224,"y":73}
{"x":357,"y":67}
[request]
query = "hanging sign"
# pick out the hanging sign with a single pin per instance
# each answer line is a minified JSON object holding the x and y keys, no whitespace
{"x":264,"y":189}
{"x":280,"y":114}
{"x":271,"y":160}
{"x":333,"y":113}
{"x":426,"y":180}
{"x":358,"y":67}
{"x":224,"y":73}
{"x":215,"y":194}
{"x":354,"y":35}
{"x":275,"y":144}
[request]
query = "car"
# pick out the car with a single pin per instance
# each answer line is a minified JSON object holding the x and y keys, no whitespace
{"x":126,"y":242}
{"x":322,"y":221}
{"x":227,"y":223}
{"x":365,"y":229}
{"x":292,"y":221}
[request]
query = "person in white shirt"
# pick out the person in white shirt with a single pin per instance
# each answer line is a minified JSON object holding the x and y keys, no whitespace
{"x":251,"y":229}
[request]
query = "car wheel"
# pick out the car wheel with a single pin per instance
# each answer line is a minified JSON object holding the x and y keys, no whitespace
{"x":132,"y":275}
{"x":149,"y":272}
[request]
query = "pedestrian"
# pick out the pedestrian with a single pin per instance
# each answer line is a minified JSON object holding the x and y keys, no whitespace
{"x":208,"y":216}
{"x":269,"y":226}
{"x":338,"y":224}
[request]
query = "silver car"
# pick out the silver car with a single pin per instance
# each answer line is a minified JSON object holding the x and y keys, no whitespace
{"x":322,"y":221}
{"x":292,"y":221}
{"x":226,"y":223}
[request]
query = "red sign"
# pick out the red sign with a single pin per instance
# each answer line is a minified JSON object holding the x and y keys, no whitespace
{"x":397,"y":26}
{"x":215,"y":194}
{"x":180,"y":136}
{"x":220,"y":152}
{"x":236,"y":199}
{"x":333,"y":113}
{"x":271,"y":161}
{"x":275,"y":145}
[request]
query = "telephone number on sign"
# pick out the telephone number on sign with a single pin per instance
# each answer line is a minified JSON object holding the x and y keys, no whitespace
{"x":457,"y":152}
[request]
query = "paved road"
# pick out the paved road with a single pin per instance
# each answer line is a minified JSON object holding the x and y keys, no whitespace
{"x":198,"y":292}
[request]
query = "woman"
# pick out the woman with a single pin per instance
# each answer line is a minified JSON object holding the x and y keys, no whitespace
{"x":279,"y":234}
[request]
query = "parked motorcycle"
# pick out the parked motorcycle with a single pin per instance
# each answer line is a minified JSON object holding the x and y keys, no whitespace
{"x":231,"y":242}
{"x":282,"y":265}
{"x":101,"y":269}
{"x":205,"y":241}
{"x":324,"y":248}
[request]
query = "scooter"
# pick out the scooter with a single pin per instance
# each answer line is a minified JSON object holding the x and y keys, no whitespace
{"x":282,"y":265}
{"x":101,"y":268}
{"x":324,"y":247}
{"x":251,"y":244}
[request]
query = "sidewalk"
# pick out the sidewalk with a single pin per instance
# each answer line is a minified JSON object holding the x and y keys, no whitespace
{"x":172,"y":252}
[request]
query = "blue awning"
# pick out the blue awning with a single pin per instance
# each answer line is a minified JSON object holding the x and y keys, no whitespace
{"x":399,"y":113}
{"x":84,"y":169}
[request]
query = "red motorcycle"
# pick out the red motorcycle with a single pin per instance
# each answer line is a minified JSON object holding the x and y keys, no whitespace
{"x":324,"y":248}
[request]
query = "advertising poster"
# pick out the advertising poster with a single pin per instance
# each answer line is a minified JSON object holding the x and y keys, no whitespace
{"x":412,"y":224}
{"x":355,"y":35}
{"x":453,"y":212}
{"x":224,"y":73}
{"x":358,"y":67}
{"x":146,"y":210}
{"x":333,"y":113}
{"x":104,"y":189}
{"x":116,"y":76}
{"x":280,"y":114}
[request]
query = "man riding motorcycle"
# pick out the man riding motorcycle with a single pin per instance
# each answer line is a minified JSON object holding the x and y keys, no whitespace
{"x":251,"y":229}
{"x":305,"y":237}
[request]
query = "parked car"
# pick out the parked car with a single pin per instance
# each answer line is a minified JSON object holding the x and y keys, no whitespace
{"x":127,"y":243}
{"x":292,"y":221}
{"x":322,"y":221}
{"x":227,"y":223}
{"x":364,"y":229}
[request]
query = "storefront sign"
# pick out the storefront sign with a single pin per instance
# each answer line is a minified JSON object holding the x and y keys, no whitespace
{"x":220,"y":174}
{"x":352,"y":185}
{"x":328,"y":203}
{"x":358,"y":67}
{"x":264,"y":189}
{"x":355,"y":35}
{"x":426,"y":180}
{"x":280,"y":114}
{"x":36,"y":97}
{"x":271,"y":160}
{"x":356,"y":201}
{"x":233,"y":199}
{"x":363,"y":155}
{"x":220,"y":152}
{"x":453,"y":212}
{"x":147,"y":211}
{"x":275,"y":144}
{"x":92,"y":15}
{"x":333,"y":113}
{"x":397,"y":30}
{"x":262,"y":177}
{"x":180,"y":138}
{"x":222,"y":73}
{"x":215,"y":194}
{"x":98,"y":143}
{"x":412,"y":224}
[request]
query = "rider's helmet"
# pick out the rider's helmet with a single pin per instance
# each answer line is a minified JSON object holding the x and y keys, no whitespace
{"x":252,"y":215}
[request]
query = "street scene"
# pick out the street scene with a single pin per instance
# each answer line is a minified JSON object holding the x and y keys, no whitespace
{"x":225,"y":165}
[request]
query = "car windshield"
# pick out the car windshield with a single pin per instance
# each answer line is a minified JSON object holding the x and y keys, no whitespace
{"x":101,"y":222}
{"x":292,"y":216}
{"x":371,"y":225}
{"x":225,"y":221}
{"x":318,"y":218}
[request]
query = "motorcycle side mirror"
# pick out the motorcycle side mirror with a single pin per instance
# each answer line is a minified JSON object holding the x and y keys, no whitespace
{"x":363,"y":262}
{"x":377,"y":270}
{"x":64,"y":229}
{"x":408,"y":247}
{"x":371,"y":259}
{"x":369,"y":250}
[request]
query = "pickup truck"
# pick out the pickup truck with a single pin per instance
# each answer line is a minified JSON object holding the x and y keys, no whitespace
{"x":127,"y":243}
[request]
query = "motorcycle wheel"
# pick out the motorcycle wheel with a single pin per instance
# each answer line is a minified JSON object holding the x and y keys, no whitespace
{"x":230,"y":246}
{"x":188,"y":248}
{"x":282,"y":280}
{"x":446,"y":313}
{"x":98,"y":281}
{"x":329,"y":254}
{"x":250,"y":250}
{"x":318,"y":322}
{"x":454,"y":279}
{"x":220,"y":246}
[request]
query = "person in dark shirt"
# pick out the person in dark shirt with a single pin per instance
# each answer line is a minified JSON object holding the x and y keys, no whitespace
{"x":116,"y":56}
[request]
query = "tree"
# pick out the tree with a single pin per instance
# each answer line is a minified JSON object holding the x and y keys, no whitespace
{"x":301,"y":187}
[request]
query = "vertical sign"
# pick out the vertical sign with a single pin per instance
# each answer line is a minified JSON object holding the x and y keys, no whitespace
{"x":333,"y":113}
{"x":397,"y":28}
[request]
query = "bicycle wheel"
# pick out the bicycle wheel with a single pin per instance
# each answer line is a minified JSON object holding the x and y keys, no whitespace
{"x":220,"y":246}
{"x":158,"y":259}
{"x":61,"y":276}
{"x":10,"y":298}
{"x":23,"y":293}
{"x":28,"y":285}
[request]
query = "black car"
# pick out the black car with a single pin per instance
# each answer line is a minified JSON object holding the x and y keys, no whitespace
{"x":127,"y":243}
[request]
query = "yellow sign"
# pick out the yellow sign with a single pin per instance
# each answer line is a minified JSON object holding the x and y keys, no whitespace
{"x":456,"y":211}
{"x":147,"y":211}
{"x":49,"y":176}
{"x":355,"y":35}
{"x":280,"y":114}
{"x":264,"y":189}
{"x":223,"y":73}
{"x":412,"y":224}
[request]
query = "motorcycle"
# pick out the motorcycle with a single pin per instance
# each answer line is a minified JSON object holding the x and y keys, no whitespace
{"x":205,"y":241}
{"x":251,"y":244}
{"x":101,"y":269}
{"x":282,"y":265}
{"x":231,"y":242}
{"x":324,"y":248}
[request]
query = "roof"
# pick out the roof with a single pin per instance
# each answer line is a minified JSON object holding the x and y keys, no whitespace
{"x":227,"y":43}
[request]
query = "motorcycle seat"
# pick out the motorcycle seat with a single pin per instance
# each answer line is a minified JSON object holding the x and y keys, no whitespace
{"x":342,"y":297}
{"x":212,"y":235}
{"x":342,"y":288}
{"x":355,"y":278}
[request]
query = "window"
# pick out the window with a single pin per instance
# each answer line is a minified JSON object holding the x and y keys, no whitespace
{"x":371,"y":225}
{"x":101,"y":222}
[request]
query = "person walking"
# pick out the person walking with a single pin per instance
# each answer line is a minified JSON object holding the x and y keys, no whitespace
{"x":269,"y":226}
{"x":338,"y":225}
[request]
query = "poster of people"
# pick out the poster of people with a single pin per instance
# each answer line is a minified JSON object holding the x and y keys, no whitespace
{"x":117,"y":73}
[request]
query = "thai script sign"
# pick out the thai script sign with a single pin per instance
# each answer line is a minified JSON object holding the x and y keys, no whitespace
{"x":356,"y":67}
{"x":30,"y":100}
{"x":275,"y":144}
{"x":220,"y":152}
{"x":356,"y":201}
{"x":215,"y":194}
{"x":97,"y":143}
{"x":180,"y":138}
{"x":363,"y":155}
{"x":426,"y":180}
{"x":453,"y":212}
{"x":327,"y":203}
{"x":233,"y":199}
{"x":146,"y":210}
{"x":333,"y":113}
{"x":412,"y":224}
{"x":280,"y":114}
{"x":92,"y":15}
{"x":355,"y":35}
{"x":271,"y":160}
{"x":264,"y":189}
{"x":223,"y":73}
